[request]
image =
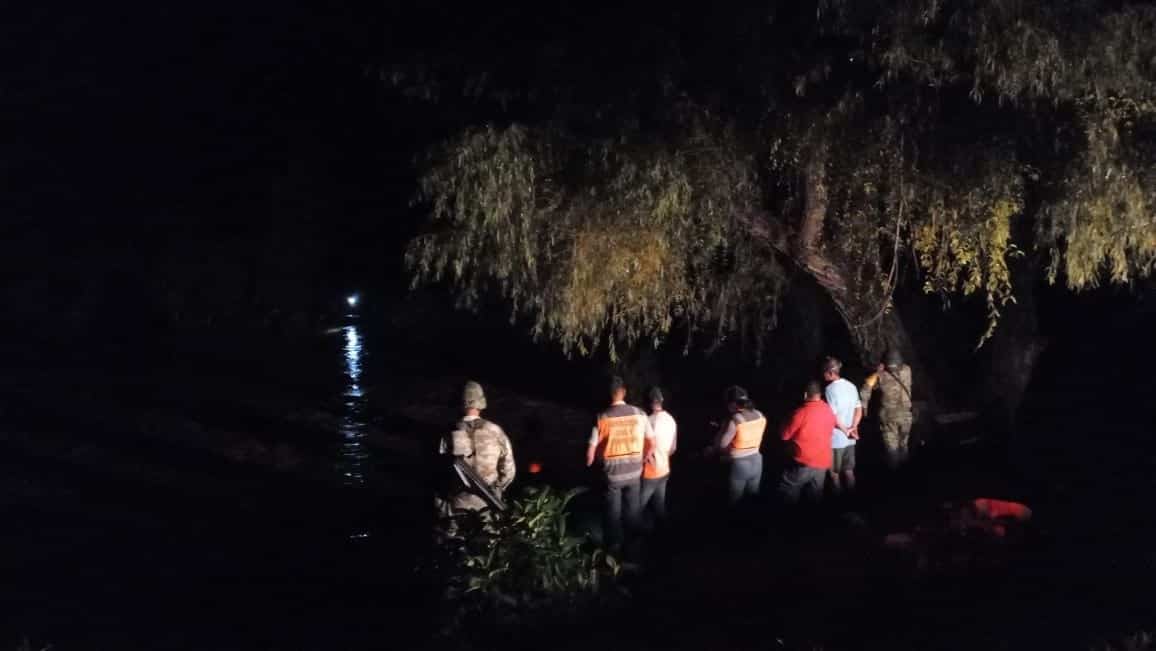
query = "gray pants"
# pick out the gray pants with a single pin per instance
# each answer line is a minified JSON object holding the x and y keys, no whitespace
{"x":622,"y":500}
{"x":654,"y":496}
{"x":798,"y":480}
{"x":746,"y":475}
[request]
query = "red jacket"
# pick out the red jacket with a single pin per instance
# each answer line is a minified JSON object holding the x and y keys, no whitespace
{"x":810,"y":429}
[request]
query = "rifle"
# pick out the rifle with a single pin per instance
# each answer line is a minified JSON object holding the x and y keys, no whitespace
{"x":473,"y":482}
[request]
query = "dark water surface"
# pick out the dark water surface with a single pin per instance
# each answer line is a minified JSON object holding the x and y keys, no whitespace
{"x":208,"y":496}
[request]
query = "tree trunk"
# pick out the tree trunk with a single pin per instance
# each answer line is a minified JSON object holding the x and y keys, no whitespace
{"x":874,"y":324}
{"x":1016,"y":347}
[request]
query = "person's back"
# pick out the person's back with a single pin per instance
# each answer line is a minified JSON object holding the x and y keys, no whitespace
{"x":665,"y":437}
{"x":484,"y":446}
{"x":656,"y":467}
{"x":619,"y":439}
{"x":750,"y":425}
{"x":895,"y":392}
{"x":740,"y":443}
{"x":843,"y":398}
{"x":809,"y":431}
{"x":893,"y":382}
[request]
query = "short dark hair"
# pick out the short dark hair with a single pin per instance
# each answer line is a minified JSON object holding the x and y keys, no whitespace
{"x":738,"y":396}
{"x":813,"y":389}
{"x":617,"y":384}
{"x":832,"y":365}
{"x":655,"y":395}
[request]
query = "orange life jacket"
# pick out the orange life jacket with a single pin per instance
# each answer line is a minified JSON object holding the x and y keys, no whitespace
{"x":748,"y":435}
{"x":621,"y":436}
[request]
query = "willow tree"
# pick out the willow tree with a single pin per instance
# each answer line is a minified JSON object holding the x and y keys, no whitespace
{"x":631,"y":176}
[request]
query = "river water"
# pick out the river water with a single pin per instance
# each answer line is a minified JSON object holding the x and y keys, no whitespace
{"x":354,"y":455}
{"x":218,"y":494}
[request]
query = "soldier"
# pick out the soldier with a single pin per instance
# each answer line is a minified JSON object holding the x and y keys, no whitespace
{"x":481,"y":444}
{"x":622,"y":437}
{"x":893,"y":380}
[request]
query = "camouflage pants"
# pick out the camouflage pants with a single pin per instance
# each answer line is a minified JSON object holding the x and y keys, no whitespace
{"x":448,"y":511}
{"x":895,"y":431}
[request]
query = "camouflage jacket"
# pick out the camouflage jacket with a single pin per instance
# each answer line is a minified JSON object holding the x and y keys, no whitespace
{"x":485,"y":447}
{"x":894,"y":387}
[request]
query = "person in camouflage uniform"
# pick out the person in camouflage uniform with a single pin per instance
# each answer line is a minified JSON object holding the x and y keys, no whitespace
{"x":484,"y":446}
{"x":893,"y":380}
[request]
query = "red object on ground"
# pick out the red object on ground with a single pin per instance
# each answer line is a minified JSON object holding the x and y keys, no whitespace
{"x":535,"y":468}
{"x":810,"y":428}
{"x":995,"y":509}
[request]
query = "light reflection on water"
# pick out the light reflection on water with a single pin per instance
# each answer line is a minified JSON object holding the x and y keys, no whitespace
{"x":354,"y":456}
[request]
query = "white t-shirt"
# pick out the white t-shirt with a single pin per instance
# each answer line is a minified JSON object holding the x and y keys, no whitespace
{"x":665,"y":432}
{"x":844,"y":399}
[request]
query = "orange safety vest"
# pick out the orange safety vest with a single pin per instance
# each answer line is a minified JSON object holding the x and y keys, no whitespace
{"x":660,"y":467}
{"x":748,"y":435}
{"x":621,"y":436}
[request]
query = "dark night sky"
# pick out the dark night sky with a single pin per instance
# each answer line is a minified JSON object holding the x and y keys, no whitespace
{"x":135,"y":129}
{"x":144,"y":110}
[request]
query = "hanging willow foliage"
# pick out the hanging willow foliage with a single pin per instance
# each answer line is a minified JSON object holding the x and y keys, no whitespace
{"x":890,"y":132}
{"x":1104,"y":224}
{"x":597,"y":243}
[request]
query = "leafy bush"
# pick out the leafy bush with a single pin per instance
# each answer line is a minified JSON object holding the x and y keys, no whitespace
{"x":522,"y":568}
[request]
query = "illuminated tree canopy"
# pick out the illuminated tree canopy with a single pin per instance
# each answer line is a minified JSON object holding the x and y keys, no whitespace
{"x":635,"y":175}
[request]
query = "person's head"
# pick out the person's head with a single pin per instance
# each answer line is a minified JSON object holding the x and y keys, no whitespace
{"x":656,"y":398}
{"x":813,"y":391}
{"x":617,"y":389}
{"x":893,"y":359}
{"x":738,"y":399}
{"x":473,"y":398}
{"x":832,"y":368}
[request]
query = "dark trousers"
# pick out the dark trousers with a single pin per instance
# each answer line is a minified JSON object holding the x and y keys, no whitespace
{"x":622,"y":510}
{"x":746,"y":475}
{"x":654,"y":497}
{"x":802,"y":481}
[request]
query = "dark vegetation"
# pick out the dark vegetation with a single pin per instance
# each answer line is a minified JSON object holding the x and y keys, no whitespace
{"x":190,"y":193}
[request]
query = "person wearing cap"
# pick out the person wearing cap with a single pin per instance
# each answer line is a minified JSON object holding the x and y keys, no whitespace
{"x":893,"y":381}
{"x":843,"y":397}
{"x":656,"y":467}
{"x":481,"y":444}
{"x":738,"y":442}
{"x":622,"y":439}
{"x":809,"y":430}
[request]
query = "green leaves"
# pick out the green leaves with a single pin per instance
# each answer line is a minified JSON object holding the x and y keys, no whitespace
{"x":521,"y":570}
{"x":671,"y":197}
{"x":523,"y":563}
{"x":597,"y":241}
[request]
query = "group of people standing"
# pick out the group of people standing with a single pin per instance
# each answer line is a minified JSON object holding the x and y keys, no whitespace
{"x":633,"y":448}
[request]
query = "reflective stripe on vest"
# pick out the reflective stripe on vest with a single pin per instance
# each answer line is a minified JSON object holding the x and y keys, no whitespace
{"x":622,"y":436}
{"x":748,"y":435}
